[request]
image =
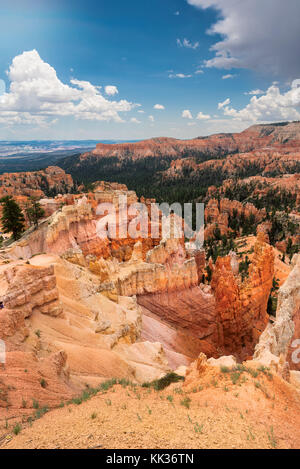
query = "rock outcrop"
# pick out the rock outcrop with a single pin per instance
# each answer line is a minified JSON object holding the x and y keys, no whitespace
{"x":36,"y":183}
{"x":280,"y":342}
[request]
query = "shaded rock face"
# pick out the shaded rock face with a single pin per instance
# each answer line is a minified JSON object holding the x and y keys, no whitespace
{"x":191,"y":310}
{"x":280,"y":343}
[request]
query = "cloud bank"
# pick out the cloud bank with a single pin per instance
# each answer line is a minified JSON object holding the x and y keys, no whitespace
{"x":270,"y":107}
{"x":37,"y":96}
{"x":256,"y":34}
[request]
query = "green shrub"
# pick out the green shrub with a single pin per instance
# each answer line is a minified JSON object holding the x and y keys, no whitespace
{"x":17,"y":428}
{"x":186,"y":402}
{"x":165,"y":381}
{"x":43,"y":383}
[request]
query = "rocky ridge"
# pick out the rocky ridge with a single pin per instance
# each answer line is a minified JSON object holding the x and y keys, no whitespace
{"x":257,"y":136}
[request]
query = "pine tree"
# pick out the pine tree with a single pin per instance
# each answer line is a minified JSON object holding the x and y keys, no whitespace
{"x":34,"y":211}
{"x":12,"y":217}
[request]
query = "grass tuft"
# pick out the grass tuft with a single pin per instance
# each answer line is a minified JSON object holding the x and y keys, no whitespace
{"x":17,"y":428}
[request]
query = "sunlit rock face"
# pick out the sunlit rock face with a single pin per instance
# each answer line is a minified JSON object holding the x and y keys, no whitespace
{"x":279,"y":343}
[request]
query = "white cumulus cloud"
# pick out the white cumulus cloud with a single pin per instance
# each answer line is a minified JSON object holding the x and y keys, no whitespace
{"x":271,"y":106}
{"x":151,"y":118}
{"x":134,"y":120}
{"x":228,"y":76}
{"x":111,"y":90}
{"x":225,"y":103}
{"x":201,"y":116}
{"x":254,"y":92}
{"x":256,"y":34}
{"x":2,"y":86}
{"x":36,"y":95}
{"x":159,"y":107}
{"x":179,"y":75}
{"x":186,"y":114}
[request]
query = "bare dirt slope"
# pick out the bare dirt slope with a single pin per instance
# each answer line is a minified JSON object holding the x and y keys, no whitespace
{"x":217,"y":409}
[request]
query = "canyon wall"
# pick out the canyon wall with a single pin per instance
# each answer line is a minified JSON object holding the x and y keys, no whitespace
{"x":230,"y":315}
{"x":255,"y":137}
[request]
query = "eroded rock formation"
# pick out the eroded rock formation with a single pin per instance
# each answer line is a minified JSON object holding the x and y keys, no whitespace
{"x":242,"y":306}
{"x":25,"y":289}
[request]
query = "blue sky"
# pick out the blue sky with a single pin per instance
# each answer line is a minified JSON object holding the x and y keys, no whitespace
{"x":155,"y":52}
